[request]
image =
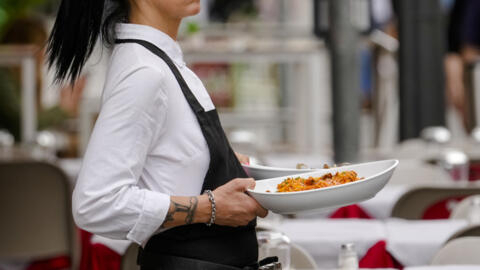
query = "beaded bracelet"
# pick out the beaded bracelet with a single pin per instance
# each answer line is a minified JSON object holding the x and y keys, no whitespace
{"x":211,"y":198}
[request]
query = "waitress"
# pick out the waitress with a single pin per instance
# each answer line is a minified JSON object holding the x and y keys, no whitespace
{"x":158,"y":170}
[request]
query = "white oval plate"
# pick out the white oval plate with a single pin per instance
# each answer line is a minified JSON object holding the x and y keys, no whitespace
{"x":376,"y":174}
{"x":259,"y":172}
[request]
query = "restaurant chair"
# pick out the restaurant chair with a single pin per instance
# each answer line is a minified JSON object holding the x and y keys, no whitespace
{"x":418,"y":172}
{"x":300,"y":258}
{"x":414,"y":203}
{"x":459,"y":251}
{"x":472,"y":230}
{"x":129,"y":259}
{"x":35,"y":213}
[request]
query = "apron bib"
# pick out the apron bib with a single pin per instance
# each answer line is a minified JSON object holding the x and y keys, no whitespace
{"x":190,"y":245}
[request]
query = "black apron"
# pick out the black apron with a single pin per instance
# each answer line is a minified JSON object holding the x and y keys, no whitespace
{"x":198,"y":246}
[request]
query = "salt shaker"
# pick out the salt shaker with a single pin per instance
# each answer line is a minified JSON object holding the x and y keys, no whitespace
{"x":347,"y":259}
{"x":474,"y":211}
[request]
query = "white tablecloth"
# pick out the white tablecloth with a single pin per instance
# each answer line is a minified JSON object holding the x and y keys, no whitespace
{"x":323,"y":238}
{"x":415,"y":243}
{"x":412,"y":243}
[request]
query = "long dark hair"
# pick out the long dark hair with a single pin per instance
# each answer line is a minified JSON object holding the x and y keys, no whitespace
{"x":78,"y":26}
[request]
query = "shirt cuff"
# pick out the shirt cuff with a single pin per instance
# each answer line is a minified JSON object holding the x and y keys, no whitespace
{"x":155,"y":209}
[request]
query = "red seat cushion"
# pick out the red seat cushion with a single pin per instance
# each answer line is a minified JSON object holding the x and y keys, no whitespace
{"x":351,"y":211}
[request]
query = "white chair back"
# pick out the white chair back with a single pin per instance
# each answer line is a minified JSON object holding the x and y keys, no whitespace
{"x":300,"y":259}
{"x":418,"y":172}
{"x":35,"y":212}
{"x":413,"y":204}
{"x":459,"y":251}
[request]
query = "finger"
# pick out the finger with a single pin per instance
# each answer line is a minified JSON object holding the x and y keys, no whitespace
{"x":242,"y":184}
{"x":244,"y":159}
{"x":261,"y":212}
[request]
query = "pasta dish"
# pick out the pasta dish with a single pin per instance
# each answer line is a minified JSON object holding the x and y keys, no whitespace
{"x":327,"y":180}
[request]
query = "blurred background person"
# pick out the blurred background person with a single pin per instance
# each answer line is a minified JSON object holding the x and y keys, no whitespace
{"x":463,"y":50}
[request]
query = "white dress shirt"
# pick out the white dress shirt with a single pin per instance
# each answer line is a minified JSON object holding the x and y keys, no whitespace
{"x":146,"y":145}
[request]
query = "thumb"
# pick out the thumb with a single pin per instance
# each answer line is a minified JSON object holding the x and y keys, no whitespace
{"x":242,"y":184}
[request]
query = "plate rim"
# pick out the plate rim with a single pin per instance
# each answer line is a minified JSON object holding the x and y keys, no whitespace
{"x":393,"y":166}
{"x":268,"y":168}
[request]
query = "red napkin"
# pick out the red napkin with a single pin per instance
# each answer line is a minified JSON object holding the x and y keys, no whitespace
{"x":441,"y":209}
{"x":104,"y":258}
{"x":378,"y":257}
{"x":97,"y":256}
{"x":59,"y":263}
{"x":351,"y":211}
{"x":85,"y":262}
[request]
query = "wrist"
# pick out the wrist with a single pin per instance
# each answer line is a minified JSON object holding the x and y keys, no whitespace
{"x":211,"y":198}
{"x":204,"y":209}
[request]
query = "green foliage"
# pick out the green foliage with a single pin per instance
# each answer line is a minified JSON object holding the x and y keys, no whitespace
{"x":193,"y":27}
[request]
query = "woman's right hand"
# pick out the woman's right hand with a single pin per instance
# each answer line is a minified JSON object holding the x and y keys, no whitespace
{"x":233,"y":206}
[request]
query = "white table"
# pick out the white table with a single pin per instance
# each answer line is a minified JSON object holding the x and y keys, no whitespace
{"x":415,"y":243}
{"x":322,"y":238}
{"x":412,"y":243}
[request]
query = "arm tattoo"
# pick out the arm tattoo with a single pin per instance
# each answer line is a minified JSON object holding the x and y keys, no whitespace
{"x":192,"y":210}
{"x":178,"y":207}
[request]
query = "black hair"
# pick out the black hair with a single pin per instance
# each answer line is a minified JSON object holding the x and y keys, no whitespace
{"x":78,"y":26}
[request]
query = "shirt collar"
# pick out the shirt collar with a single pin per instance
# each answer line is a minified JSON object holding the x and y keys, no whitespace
{"x":153,"y":35}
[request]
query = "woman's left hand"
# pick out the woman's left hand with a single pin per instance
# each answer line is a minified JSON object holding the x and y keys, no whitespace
{"x":243,"y":158}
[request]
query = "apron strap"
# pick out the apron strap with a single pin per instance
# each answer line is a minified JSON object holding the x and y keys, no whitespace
{"x":192,"y":100}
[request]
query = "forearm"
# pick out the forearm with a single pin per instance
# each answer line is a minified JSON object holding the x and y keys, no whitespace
{"x":187,"y":210}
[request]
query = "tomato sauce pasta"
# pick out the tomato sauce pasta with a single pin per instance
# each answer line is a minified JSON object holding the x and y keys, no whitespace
{"x":327,"y":180}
